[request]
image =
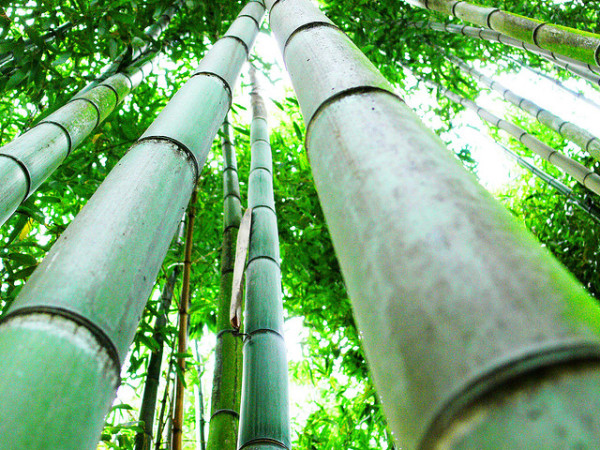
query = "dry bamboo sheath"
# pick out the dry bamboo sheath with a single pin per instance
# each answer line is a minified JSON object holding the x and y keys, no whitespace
{"x":584,"y":139}
{"x":578,"y":171}
{"x":27,"y":161}
{"x":74,"y":320}
{"x":587,"y":71}
{"x":466,"y":322}
{"x":264,"y":415}
{"x":580,"y":45}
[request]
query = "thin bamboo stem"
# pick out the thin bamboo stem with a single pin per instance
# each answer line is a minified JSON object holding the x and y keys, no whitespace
{"x":83,"y":303}
{"x":163,"y":404}
{"x":586,"y":71}
{"x":184,"y":313}
{"x":584,"y":139}
{"x":264,"y":415}
{"x":459,"y":309}
{"x":580,"y":45}
{"x":200,"y":421}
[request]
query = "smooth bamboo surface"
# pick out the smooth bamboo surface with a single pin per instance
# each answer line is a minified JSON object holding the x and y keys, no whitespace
{"x":264,"y":415}
{"x":451,"y":295}
{"x":97,"y":278}
{"x":580,"y":45}
{"x":583,"y":138}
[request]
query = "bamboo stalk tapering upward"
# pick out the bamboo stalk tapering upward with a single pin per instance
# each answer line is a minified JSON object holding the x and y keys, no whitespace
{"x":466,"y":323}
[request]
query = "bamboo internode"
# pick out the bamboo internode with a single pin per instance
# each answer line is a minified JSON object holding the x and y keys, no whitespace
{"x":67,"y":333}
{"x":584,"y":139}
{"x":264,"y":415}
{"x":452,"y":297}
{"x":580,"y":45}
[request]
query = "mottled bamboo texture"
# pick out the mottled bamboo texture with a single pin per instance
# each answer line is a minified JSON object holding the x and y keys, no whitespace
{"x":264,"y":417}
{"x":27,"y":161}
{"x":584,"y":139}
{"x":578,"y":171}
{"x":143,"y":439}
{"x":66,"y":335}
{"x":227,"y":378}
{"x":587,"y":71}
{"x":580,"y":45}
{"x":466,"y":322}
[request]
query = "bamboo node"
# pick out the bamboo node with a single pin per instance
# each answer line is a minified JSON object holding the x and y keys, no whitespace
{"x":535,"y":32}
{"x":26,"y":174}
{"x":489,"y":17}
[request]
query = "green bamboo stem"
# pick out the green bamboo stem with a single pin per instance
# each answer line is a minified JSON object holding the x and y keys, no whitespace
{"x":226,"y":390}
{"x":143,"y":439}
{"x":67,"y":333}
{"x":184,"y":317}
{"x":27,"y":161}
{"x":454,"y":300}
{"x":586,"y":71}
{"x":584,"y":139}
{"x":576,"y":170}
{"x":163,"y":406}
{"x":580,"y":45}
{"x":199,"y":404}
{"x":264,"y":415}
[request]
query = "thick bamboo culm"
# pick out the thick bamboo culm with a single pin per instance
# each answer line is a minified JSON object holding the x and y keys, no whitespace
{"x":264,"y":415}
{"x":584,"y":139}
{"x":572,"y":168}
{"x":467,"y":323}
{"x":27,"y":161}
{"x":585,"y":71}
{"x":143,"y":439}
{"x":184,"y":319}
{"x":227,"y":379}
{"x":580,"y":45}
{"x":67,"y":333}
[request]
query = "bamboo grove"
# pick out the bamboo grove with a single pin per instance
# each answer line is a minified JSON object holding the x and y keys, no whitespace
{"x":431,"y":316}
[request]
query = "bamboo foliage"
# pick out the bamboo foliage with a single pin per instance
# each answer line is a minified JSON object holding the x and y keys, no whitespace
{"x":264,"y":416}
{"x":580,"y":45}
{"x":27,"y":161}
{"x":584,"y":139}
{"x":67,"y":333}
{"x":586,"y":71}
{"x":451,"y":296}
{"x":226,"y":389}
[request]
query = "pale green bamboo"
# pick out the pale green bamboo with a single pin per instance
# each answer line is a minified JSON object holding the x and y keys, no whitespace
{"x":583,"y":138}
{"x":264,"y":415}
{"x":31,"y":158}
{"x":66,"y":335}
{"x":580,"y":45}
{"x":459,"y":309}
{"x":586,"y":71}
{"x":227,"y":385}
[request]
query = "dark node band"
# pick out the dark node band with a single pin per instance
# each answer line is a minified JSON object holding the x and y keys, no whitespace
{"x":229,"y":412}
{"x":93,"y":105}
{"x":26,"y":173}
{"x":64,"y":130}
{"x":182,"y":147}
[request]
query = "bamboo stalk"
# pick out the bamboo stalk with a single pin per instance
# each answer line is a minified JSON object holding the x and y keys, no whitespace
{"x":226,"y":389}
{"x":163,"y":405}
{"x":584,"y":139}
{"x":580,"y":45}
{"x":458,"y":306}
{"x":143,"y":439}
{"x":586,"y":71}
{"x":578,"y":171}
{"x":67,"y":333}
{"x":32,"y":157}
{"x":264,"y":415}
{"x":199,"y":404}
{"x":184,"y":314}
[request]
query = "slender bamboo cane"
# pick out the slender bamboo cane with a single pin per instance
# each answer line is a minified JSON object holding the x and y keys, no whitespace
{"x":163,"y":406}
{"x":184,"y":314}
{"x":575,"y":93}
{"x":27,"y":161}
{"x":584,"y":139}
{"x":227,"y":385}
{"x":578,"y":171}
{"x":143,"y":439}
{"x":585,"y":71}
{"x":8,"y":59}
{"x":466,"y":322}
{"x":590,"y":209}
{"x":200,"y":422}
{"x":264,"y":415}
{"x":580,"y":45}
{"x":67,"y":333}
